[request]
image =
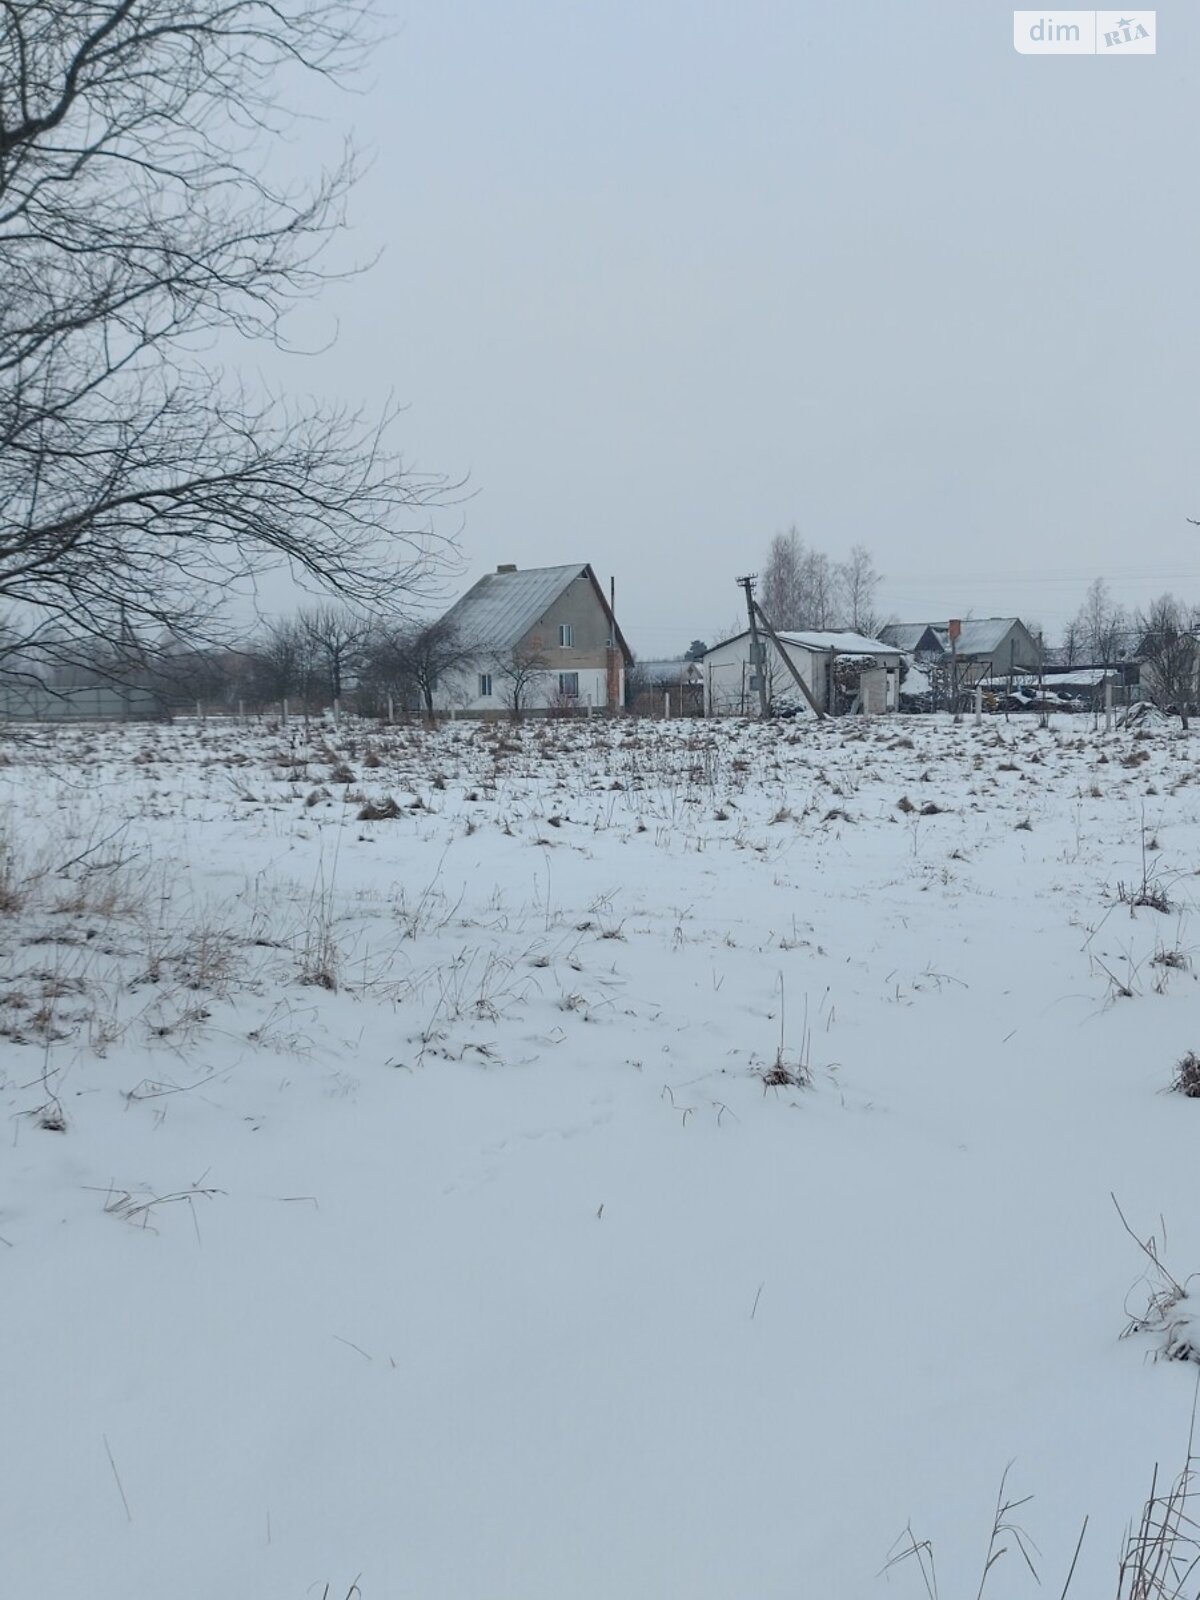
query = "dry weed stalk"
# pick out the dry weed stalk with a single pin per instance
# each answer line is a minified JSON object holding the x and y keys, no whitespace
{"x":1160,"y":1555}
{"x":1166,"y":1296}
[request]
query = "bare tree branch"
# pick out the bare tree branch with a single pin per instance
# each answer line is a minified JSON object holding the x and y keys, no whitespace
{"x":138,"y":212}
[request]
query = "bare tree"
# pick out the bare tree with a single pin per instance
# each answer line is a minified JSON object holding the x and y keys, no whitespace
{"x":1102,"y":625}
{"x":140,"y":223}
{"x":384,"y":671}
{"x":519,"y":670}
{"x":283,"y":665}
{"x":818,"y":591}
{"x":1071,"y":650}
{"x":801,"y":588}
{"x":337,"y":636}
{"x":188,"y":674}
{"x":425,"y":658}
{"x":780,"y":586}
{"x":1169,"y":651}
{"x":858,"y":583}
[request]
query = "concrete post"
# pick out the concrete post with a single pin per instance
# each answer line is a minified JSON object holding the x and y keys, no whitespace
{"x":978,"y":706}
{"x":1108,"y":707}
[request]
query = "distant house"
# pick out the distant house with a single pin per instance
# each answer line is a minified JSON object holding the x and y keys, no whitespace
{"x":919,"y":639}
{"x":987,"y":647}
{"x":537,"y":640}
{"x":1177,"y":656}
{"x":843,"y":671}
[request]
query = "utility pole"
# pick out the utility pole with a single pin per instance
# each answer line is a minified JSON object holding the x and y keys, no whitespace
{"x":1044,"y":717}
{"x":612,"y":669}
{"x":954,"y":630}
{"x":790,"y":664}
{"x":758,"y":654}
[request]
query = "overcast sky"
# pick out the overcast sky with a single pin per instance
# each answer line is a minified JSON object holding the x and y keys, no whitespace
{"x":665,"y":277}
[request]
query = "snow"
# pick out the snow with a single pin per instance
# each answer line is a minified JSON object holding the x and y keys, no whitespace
{"x":821,"y":640}
{"x":1146,"y":715}
{"x":1078,"y":678}
{"x":845,"y":643}
{"x":916,"y":682}
{"x":497,"y":1269}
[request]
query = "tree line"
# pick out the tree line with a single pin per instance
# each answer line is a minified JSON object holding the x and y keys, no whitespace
{"x":323,"y":654}
{"x":1162,"y":637}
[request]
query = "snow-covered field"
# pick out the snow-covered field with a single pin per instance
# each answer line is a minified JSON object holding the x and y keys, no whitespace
{"x":661,"y":1160}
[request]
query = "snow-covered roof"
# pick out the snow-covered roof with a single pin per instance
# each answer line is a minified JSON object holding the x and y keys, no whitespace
{"x":824,"y":639}
{"x":1077,"y":678}
{"x":981,"y":636}
{"x":502,"y":607}
{"x":847,"y":644}
{"x":905,"y":635}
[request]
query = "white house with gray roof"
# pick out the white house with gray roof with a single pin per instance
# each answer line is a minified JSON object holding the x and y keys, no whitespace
{"x":843,"y":671}
{"x":537,"y":640}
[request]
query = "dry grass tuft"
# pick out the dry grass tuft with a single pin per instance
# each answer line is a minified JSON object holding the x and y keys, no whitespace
{"x":1146,"y":894}
{"x":13,"y":890}
{"x":379,"y":810}
{"x":780,"y":1076}
{"x":1187,"y":1076}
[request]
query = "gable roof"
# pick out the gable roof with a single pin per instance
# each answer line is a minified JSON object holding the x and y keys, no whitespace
{"x":499,"y":610}
{"x":844,"y":641}
{"x":980,"y":636}
{"x":907,"y":635}
{"x":820,"y":639}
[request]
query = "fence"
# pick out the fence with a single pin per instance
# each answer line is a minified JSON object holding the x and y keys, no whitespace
{"x":92,"y":702}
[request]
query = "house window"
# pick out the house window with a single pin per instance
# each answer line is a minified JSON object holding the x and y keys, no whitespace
{"x":568,"y":685}
{"x":566,"y":636}
{"x":485,"y":686}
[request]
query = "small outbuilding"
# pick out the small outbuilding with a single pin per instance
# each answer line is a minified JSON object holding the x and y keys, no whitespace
{"x":843,"y":671}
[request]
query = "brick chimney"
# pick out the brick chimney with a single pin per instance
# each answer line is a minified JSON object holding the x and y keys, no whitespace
{"x":507,"y":566}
